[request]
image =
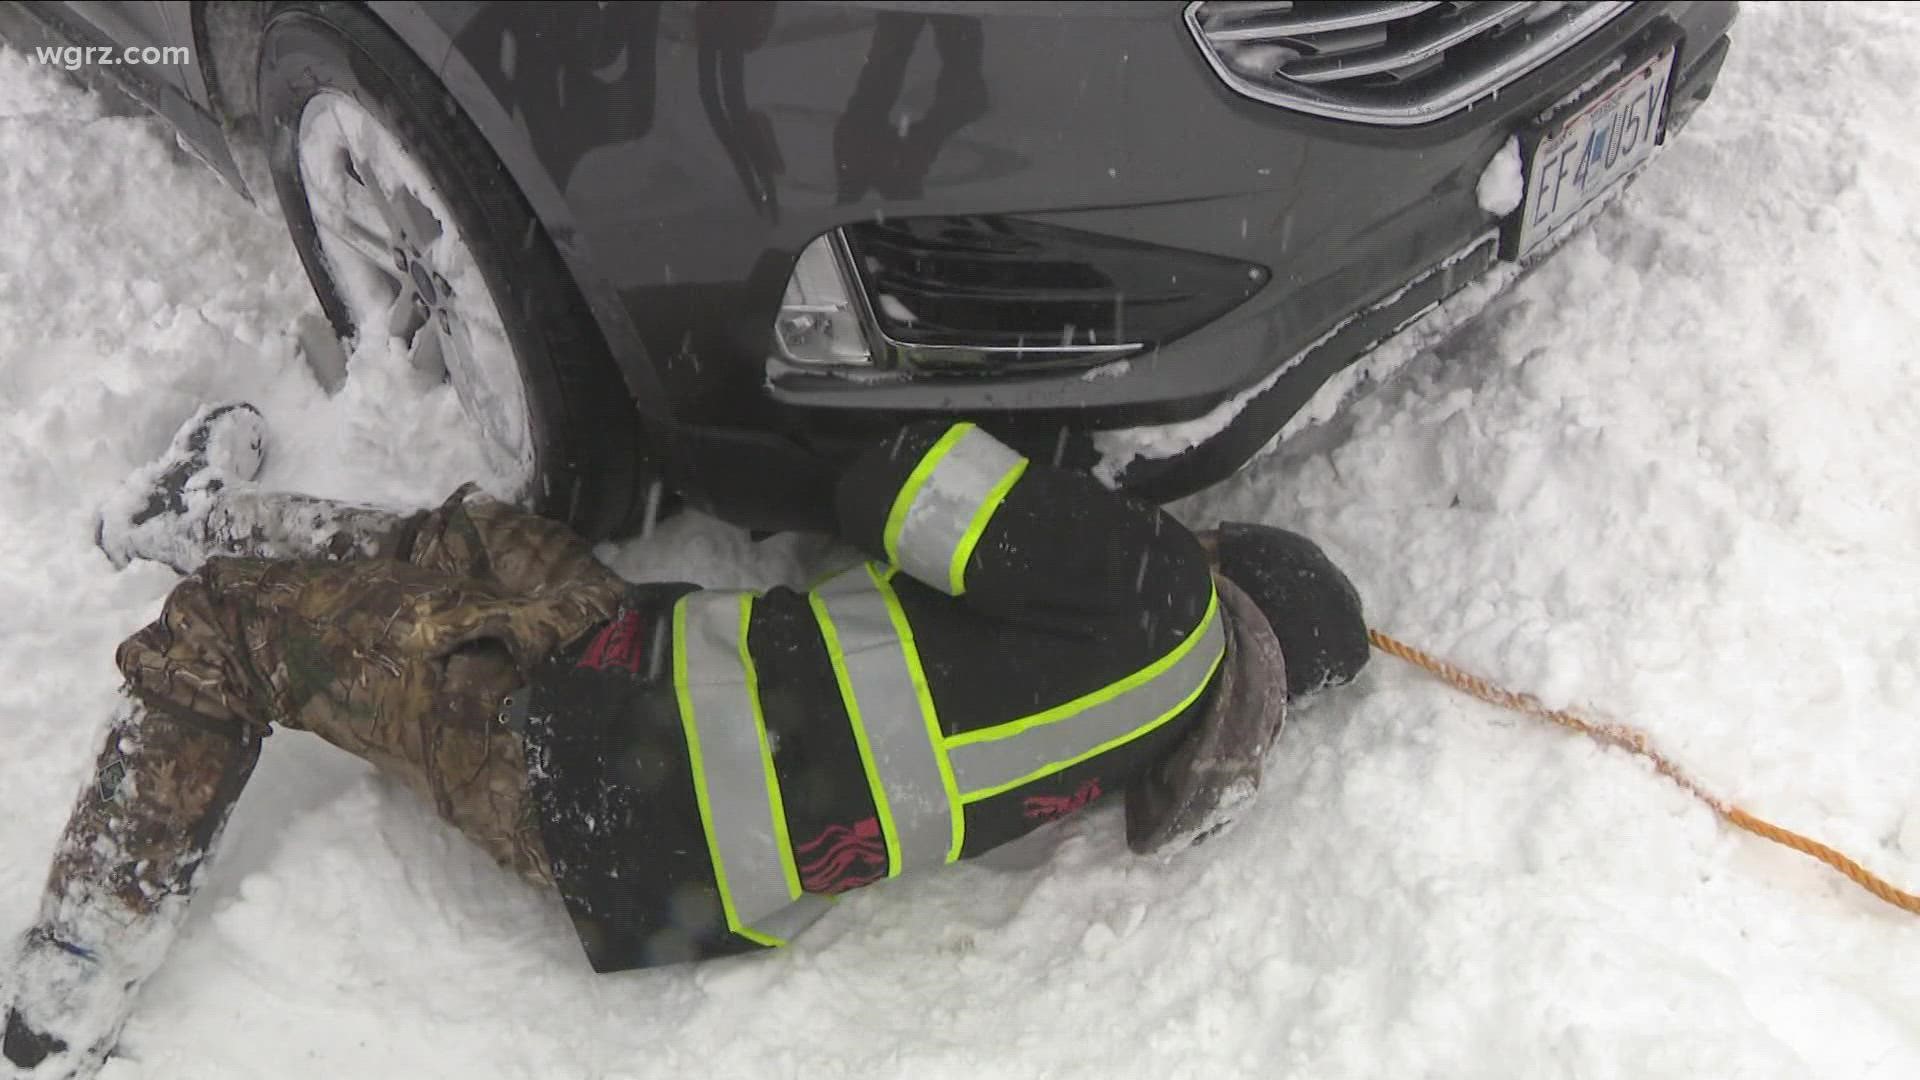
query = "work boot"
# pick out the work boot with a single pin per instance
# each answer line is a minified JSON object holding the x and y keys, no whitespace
{"x":1311,"y":606}
{"x":197,"y":502}
{"x":1216,"y":769}
{"x":1294,"y":627}
{"x":133,"y":852}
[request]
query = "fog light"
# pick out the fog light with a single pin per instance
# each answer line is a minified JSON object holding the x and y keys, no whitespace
{"x":818,"y":321}
{"x":1000,"y":293}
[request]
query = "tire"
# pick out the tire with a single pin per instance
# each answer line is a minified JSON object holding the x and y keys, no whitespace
{"x":580,"y":455}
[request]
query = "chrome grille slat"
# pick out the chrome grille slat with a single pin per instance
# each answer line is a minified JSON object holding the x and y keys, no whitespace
{"x":1383,"y":62}
{"x":1336,"y":43}
{"x":1287,"y":20}
{"x":1408,"y":53}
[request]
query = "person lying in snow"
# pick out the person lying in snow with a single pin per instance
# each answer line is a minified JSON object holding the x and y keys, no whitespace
{"x":696,"y":772}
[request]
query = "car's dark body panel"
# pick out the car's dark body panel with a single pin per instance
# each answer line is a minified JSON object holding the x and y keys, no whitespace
{"x":177,"y":92}
{"x":681,"y":155}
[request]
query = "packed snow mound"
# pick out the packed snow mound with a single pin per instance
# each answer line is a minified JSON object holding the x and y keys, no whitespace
{"x":1501,"y":185}
{"x":1668,"y":476}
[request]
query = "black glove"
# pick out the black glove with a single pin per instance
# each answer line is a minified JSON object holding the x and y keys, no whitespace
{"x":1314,"y":609}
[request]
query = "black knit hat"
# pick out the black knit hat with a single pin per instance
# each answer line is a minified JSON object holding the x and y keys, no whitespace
{"x":1314,"y":609}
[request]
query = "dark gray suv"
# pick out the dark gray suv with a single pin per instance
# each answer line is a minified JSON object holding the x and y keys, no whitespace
{"x":714,"y":245}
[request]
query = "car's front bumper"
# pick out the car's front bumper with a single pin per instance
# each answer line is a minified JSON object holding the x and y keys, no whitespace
{"x":1435,"y":301}
{"x":1365,"y":230}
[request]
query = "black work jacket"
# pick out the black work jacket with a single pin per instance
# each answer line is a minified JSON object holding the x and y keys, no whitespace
{"x":705,"y":757}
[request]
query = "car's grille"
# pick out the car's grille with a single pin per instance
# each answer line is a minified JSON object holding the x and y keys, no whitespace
{"x":1380,"y":61}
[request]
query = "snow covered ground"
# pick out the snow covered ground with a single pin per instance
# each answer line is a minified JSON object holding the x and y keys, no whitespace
{"x":1671,"y":475}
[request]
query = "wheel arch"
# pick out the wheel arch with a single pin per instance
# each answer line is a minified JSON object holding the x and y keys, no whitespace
{"x":229,"y":35}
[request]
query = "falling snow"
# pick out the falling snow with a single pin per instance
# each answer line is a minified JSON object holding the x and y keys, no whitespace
{"x":1668,"y":474}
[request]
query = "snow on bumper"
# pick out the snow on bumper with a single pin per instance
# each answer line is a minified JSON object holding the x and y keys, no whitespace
{"x":1120,"y":449}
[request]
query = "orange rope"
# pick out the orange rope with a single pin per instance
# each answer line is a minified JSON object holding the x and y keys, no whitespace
{"x":1637,"y":741}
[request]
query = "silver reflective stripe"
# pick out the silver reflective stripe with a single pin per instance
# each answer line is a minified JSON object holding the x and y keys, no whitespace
{"x":786,"y":924}
{"x":886,"y":700}
{"x":939,"y":514}
{"x":991,"y":760}
{"x":734,"y":779}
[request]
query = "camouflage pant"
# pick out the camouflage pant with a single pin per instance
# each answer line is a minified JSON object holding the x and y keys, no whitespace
{"x":401,"y":661}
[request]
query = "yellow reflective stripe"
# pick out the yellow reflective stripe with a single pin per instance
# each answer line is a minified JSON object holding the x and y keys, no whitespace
{"x":914,"y":772}
{"x":1058,"y":766}
{"x":984,"y":767}
{"x":1105,"y":693}
{"x":877,"y":672}
{"x":838,"y":658}
{"x":949,"y":508}
{"x":903,"y":499}
{"x":781,"y":839}
{"x":931,"y":718}
{"x":962,"y":554}
{"x":683,"y":696}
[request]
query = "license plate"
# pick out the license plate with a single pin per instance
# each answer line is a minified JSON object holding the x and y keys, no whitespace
{"x":1581,"y":157}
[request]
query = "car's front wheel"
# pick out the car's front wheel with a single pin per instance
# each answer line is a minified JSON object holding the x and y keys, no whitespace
{"x":409,"y":227}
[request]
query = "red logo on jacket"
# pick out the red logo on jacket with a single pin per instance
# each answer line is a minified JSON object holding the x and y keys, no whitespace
{"x":1053,"y":807}
{"x":618,"y":644}
{"x":843,"y":858}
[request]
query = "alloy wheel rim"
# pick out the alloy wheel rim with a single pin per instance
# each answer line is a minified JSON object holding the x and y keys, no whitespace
{"x":404,"y":270}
